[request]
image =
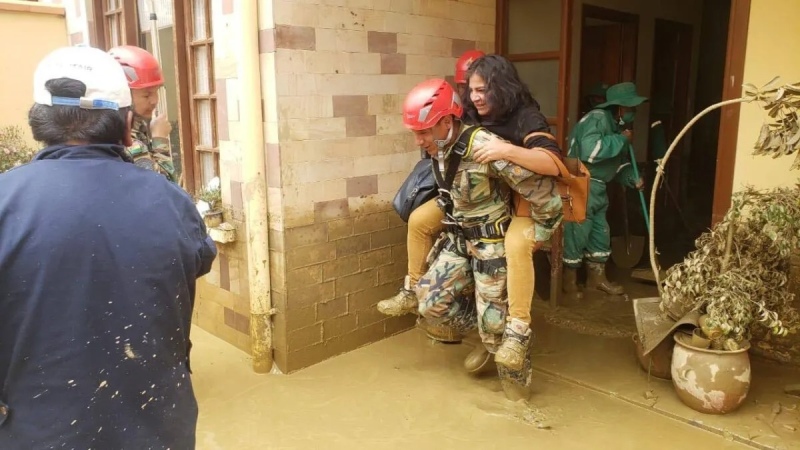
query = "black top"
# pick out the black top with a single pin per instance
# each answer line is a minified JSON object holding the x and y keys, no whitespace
{"x":520,"y":123}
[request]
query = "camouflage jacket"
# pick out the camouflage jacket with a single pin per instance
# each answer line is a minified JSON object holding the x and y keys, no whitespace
{"x":481,"y":192}
{"x":149,"y":152}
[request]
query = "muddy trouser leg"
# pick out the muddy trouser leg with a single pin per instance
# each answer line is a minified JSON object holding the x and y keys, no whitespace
{"x":445,"y":292}
{"x":424,"y":224}
{"x":491,"y":295}
{"x":598,"y":244}
{"x":576,"y":238}
{"x":492,"y":304}
{"x":520,"y":244}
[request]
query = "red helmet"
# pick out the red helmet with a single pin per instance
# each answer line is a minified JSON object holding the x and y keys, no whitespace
{"x":463,"y":63}
{"x":139,"y":65}
{"x":428,"y":102}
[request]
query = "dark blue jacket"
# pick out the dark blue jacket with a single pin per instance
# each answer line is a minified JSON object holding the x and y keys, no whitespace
{"x":98,"y":262}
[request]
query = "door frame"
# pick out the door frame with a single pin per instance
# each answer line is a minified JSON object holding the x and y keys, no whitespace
{"x":729,"y":116}
{"x":732,"y":88}
{"x":562,"y":55}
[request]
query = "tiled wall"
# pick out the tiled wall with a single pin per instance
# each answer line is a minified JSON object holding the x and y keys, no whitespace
{"x":334,"y":74}
{"x":223,"y":306}
{"x":340,"y":72}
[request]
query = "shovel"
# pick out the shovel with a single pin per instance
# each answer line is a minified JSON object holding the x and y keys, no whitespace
{"x":627,"y":250}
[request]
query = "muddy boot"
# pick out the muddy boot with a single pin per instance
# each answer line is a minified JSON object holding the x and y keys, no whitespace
{"x":516,"y":384}
{"x":569,"y":281}
{"x":596,"y":279}
{"x":514,"y":350}
{"x":404,"y":302}
{"x":439,"y":332}
{"x":478,"y":361}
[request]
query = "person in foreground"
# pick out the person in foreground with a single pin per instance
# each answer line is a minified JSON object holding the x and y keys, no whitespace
{"x":98,"y":264}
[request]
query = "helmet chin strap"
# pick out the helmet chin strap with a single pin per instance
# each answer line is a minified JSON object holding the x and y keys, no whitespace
{"x":440,"y":143}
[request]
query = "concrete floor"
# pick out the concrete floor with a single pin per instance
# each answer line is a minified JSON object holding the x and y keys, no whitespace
{"x":407,"y":391}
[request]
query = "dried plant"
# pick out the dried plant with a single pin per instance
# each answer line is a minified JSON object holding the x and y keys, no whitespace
{"x":212,"y":196}
{"x":739,"y":272}
{"x":14,"y":149}
{"x":780,"y":133}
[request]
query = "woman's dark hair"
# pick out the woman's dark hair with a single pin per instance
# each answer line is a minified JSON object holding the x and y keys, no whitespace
{"x":57,"y":124}
{"x":505,"y":90}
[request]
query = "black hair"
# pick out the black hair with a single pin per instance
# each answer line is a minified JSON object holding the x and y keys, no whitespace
{"x":505,"y":91}
{"x":58,"y":124}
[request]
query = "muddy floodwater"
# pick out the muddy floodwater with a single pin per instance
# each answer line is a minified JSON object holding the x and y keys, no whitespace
{"x":408,"y":392}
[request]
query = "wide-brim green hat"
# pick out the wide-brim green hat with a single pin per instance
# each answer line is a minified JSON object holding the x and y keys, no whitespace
{"x":622,"y":94}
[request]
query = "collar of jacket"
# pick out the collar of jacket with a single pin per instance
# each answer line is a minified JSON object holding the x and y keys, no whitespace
{"x":91,"y":151}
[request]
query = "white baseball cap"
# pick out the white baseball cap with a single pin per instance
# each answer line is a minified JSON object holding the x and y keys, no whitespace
{"x":106,"y":84}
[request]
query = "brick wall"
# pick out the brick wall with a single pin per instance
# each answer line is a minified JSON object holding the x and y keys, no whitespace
{"x":223,"y":302}
{"x":340,"y":73}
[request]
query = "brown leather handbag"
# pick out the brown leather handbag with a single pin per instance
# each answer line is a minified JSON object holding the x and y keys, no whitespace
{"x":572,"y":183}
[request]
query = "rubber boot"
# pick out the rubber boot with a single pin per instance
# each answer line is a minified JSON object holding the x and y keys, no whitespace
{"x":569,"y":281}
{"x":596,"y":279}
{"x":439,"y":332}
{"x":404,"y":302}
{"x":514,"y":349}
{"x":478,"y":361}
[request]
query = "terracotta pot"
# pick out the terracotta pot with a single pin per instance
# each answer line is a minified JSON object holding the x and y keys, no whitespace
{"x":699,"y":340}
{"x":710,"y":381}
{"x":657,"y":361}
{"x":212,"y":219}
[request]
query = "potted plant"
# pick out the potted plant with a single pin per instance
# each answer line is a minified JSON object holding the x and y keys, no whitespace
{"x":210,"y":204}
{"x":738,"y":275}
{"x":14,"y":150}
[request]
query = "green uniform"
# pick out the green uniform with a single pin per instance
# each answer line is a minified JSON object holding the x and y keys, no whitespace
{"x":149,"y":152}
{"x":472,"y":256}
{"x":596,"y":140}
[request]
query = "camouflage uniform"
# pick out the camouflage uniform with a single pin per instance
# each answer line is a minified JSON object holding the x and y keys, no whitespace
{"x":149,"y":152}
{"x":470,"y":253}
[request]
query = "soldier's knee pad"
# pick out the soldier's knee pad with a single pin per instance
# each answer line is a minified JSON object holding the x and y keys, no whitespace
{"x":493,"y":319}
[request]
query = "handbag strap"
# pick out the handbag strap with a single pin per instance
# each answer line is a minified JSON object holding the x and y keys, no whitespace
{"x":562,"y":169}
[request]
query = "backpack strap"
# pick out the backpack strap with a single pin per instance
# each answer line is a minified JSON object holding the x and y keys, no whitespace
{"x":462,"y":146}
{"x":445,"y":181}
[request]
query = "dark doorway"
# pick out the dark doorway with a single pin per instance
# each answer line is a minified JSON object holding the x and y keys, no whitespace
{"x":669,"y":106}
{"x":608,"y":49}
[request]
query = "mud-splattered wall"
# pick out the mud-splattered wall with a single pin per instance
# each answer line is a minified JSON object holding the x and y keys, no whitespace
{"x":223,"y":301}
{"x":340,"y":74}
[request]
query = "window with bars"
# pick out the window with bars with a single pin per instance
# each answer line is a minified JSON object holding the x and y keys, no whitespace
{"x":112,"y":18}
{"x":191,"y":78}
{"x":202,"y":89}
{"x":115,"y":23}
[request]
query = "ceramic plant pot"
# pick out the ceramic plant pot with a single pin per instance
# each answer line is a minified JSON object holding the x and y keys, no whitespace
{"x":212,"y":219}
{"x":657,"y":361}
{"x":710,"y":381}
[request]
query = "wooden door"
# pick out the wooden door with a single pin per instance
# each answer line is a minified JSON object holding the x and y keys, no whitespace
{"x":669,"y":96}
{"x":608,"y":49}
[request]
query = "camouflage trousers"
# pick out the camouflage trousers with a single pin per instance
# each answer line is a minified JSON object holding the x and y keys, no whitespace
{"x":465,"y":287}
